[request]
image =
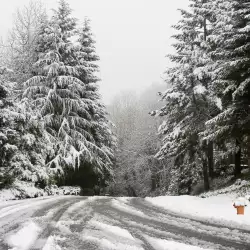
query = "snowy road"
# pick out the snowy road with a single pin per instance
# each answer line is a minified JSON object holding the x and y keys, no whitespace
{"x":107,"y":223}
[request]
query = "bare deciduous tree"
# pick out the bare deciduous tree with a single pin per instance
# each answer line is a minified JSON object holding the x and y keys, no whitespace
{"x":18,"y":51}
{"x":137,"y":172}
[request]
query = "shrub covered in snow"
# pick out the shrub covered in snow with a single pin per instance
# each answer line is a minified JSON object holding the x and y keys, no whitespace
{"x":70,"y":190}
{"x":52,"y":190}
{"x":21,"y":190}
{"x":240,"y":187}
{"x":65,"y":190}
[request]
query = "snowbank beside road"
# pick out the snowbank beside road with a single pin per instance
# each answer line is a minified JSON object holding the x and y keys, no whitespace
{"x":24,"y":190}
{"x":212,"y":209}
{"x":21,"y":190}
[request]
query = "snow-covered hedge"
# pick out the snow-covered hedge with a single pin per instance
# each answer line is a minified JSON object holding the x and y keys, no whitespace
{"x":240,"y":187}
{"x":21,"y":190}
{"x":24,"y":190}
{"x":55,"y":190}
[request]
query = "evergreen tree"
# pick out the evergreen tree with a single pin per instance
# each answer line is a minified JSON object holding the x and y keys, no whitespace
{"x":23,"y":146}
{"x":66,"y":24}
{"x":87,"y":69}
{"x":189,"y":102}
{"x":65,"y":101}
{"x":231,"y":41}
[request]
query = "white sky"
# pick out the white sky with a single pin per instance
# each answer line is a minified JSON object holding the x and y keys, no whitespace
{"x":133,"y":37}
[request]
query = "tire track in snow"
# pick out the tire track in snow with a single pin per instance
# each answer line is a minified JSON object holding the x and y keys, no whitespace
{"x":195,"y":225}
{"x":179,"y":228}
{"x":17,"y":217}
{"x":49,"y":224}
{"x":65,"y":220}
{"x":138,"y":226}
{"x":142,"y":203}
{"x":13,"y":216}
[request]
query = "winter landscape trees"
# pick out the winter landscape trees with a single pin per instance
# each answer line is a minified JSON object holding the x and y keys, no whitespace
{"x":207,"y":107}
{"x":54,"y":128}
{"x":137,"y":171}
{"x":58,"y":105}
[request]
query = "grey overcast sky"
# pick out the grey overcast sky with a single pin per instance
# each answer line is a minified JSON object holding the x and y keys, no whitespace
{"x":133,"y":37}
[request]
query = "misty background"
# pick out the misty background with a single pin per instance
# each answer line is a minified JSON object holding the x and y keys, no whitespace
{"x":132,"y":38}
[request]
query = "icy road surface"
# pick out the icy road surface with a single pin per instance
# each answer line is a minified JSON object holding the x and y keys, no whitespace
{"x":70,"y":222}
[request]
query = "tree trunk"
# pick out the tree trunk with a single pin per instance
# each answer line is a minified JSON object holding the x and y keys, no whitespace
{"x":248,"y":160}
{"x":210,"y":158}
{"x":153,"y":182}
{"x":205,"y":174}
{"x":237,"y":169}
{"x":248,"y":152}
{"x":205,"y":28}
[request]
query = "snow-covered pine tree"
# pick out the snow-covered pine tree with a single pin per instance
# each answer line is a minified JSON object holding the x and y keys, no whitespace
{"x":205,"y":17}
{"x":188,"y":102}
{"x":59,"y":94}
{"x":88,"y":69}
{"x":231,"y":40}
{"x":23,"y":146}
{"x":67,"y":26}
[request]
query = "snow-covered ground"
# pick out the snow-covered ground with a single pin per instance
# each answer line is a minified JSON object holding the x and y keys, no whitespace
{"x":107,"y":223}
{"x":217,"y":209}
{"x":24,"y":190}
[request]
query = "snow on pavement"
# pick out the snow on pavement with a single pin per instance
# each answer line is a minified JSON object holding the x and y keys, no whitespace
{"x":120,"y":204}
{"x":106,"y":223}
{"x":212,"y":209}
{"x":16,"y":207}
{"x":25,"y":237}
{"x":52,"y":243}
{"x":110,"y":237}
{"x":161,"y":244}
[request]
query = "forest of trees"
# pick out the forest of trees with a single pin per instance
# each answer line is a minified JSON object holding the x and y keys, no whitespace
{"x":54,"y":128}
{"x":53,"y":125}
{"x":206,"y":112}
{"x":203,"y":141}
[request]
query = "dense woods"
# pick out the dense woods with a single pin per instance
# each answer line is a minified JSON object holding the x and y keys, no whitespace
{"x":207,"y":108}
{"x":54,"y":128}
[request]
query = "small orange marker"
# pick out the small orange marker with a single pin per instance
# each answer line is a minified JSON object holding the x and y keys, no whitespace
{"x":240,"y":210}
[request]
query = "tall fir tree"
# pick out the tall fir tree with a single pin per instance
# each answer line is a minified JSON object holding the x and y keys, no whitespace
{"x":23,"y":144}
{"x":65,"y":101}
{"x":88,"y":69}
{"x":231,"y":40}
{"x":189,"y":103}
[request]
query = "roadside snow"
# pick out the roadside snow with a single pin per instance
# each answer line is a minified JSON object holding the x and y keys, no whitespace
{"x":213,"y":209}
{"x":241,"y":201}
{"x":25,"y":237}
{"x":239,"y":188}
{"x":21,"y":190}
{"x":160,"y":244}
